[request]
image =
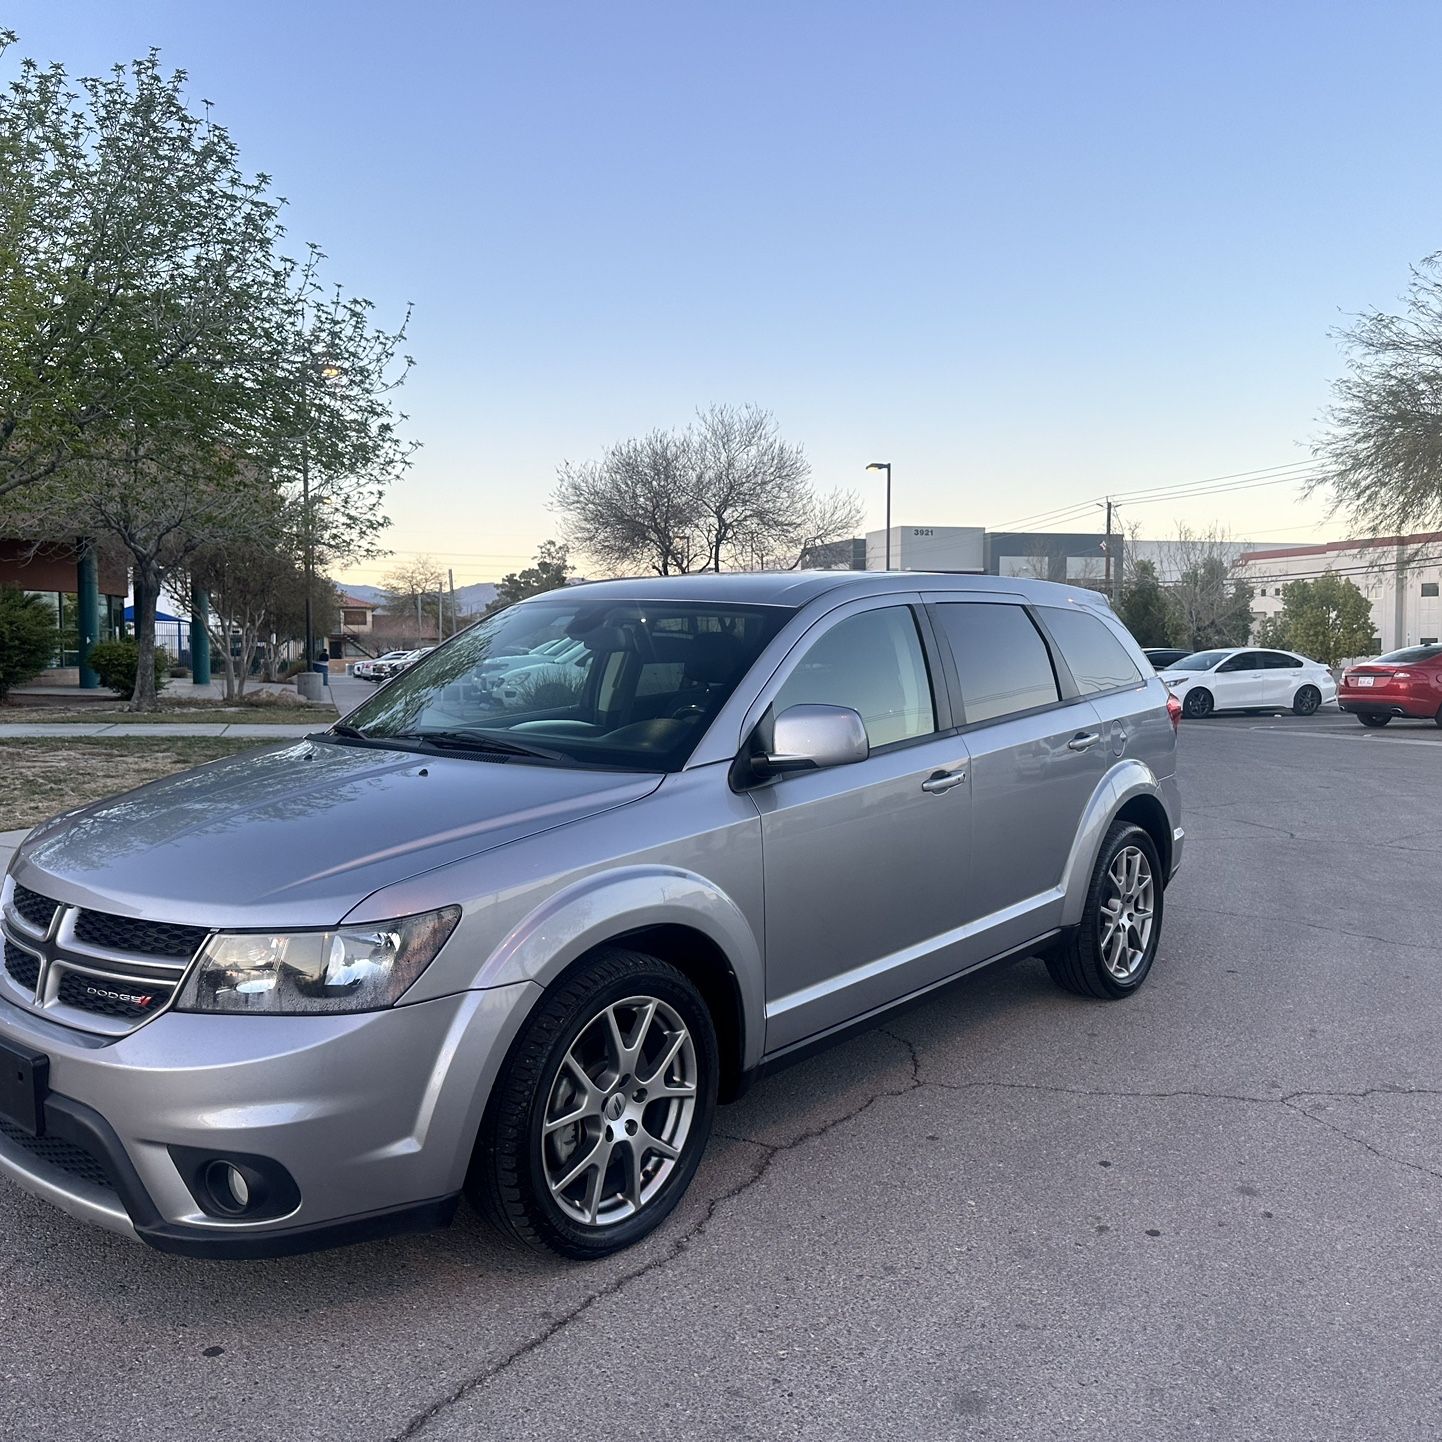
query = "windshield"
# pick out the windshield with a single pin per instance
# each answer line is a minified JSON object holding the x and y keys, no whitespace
{"x":624,"y":684}
{"x":1413,"y":654}
{"x":1197,"y":661}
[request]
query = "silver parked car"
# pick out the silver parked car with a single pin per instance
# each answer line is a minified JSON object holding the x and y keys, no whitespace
{"x":521,"y":948}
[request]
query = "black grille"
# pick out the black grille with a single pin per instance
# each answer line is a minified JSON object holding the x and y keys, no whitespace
{"x":55,"y":1152}
{"x":23,"y":966}
{"x":36,"y":909}
{"x":109,"y":997}
{"x":149,"y":938}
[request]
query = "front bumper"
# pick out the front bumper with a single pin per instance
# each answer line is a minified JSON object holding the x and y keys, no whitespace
{"x":374,"y":1117}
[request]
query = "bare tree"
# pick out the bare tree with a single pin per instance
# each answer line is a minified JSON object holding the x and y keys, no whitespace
{"x":1208,"y":606}
{"x":725,"y":493}
{"x":1383,"y":452}
{"x":414,"y":587}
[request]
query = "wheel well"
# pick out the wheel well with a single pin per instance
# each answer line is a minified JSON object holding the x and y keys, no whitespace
{"x":699,"y":958}
{"x":1149,"y":813}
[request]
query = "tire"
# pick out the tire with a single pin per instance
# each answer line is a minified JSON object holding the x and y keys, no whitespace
{"x":1197,"y":703}
{"x":1306,"y":701}
{"x":519,"y":1171}
{"x":1377,"y":722}
{"x":1438,"y":717}
{"x":1084,"y":960}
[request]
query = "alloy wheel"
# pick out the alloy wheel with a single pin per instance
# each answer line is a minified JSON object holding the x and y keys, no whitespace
{"x":1197,"y":703}
{"x":1124,"y":921}
{"x":619,"y":1111}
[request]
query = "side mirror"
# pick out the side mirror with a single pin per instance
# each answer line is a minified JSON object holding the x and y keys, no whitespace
{"x":810,"y":738}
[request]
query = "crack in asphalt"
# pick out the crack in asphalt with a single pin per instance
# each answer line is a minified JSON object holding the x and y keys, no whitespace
{"x":771,"y":1151}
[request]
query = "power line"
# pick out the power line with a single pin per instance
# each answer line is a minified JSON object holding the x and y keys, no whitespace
{"x":1294,"y":472}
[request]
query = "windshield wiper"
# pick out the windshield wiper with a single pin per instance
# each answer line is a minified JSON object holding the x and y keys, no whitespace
{"x":479,"y":741}
{"x":340,"y":729}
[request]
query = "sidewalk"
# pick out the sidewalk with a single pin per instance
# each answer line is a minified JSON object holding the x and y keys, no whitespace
{"x":9,"y":840}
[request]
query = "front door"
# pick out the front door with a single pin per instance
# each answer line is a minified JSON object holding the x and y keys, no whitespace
{"x":866,"y":866}
{"x":1239,"y":682}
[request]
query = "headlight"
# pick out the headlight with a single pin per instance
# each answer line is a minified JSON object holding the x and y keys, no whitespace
{"x":352,"y":968}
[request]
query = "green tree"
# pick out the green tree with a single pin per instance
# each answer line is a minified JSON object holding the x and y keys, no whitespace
{"x":1328,"y":619}
{"x":28,"y":637}
{"x":547,"y":572}
{"x":1382,"y":452}
{"x":1210,"y":609}
{"x":1143,"y":606}
{"x":1274,"y":631}
{"x":171,"y":380}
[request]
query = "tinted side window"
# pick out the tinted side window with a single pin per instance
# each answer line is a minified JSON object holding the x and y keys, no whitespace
{"x":1098,"y":661}
{"x":1001,"y":658}
{"x":874,"y":664}
{"x":1279,"y":661}
{"x":1242,"y":661}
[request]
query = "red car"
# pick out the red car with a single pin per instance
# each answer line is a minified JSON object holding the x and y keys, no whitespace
{"x":1401,"y":683}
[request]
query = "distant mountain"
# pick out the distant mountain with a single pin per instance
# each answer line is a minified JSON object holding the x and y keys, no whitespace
{"x":469,"y":599}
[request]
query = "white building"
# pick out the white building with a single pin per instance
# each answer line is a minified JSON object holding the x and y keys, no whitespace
{"x":1400,"y":575}
{"x":928,"y":548}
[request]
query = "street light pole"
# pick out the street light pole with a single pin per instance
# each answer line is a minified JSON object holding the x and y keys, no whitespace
{"x":885,"y":466}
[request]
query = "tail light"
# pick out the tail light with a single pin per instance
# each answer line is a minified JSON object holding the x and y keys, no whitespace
{"x":1174,"y":710}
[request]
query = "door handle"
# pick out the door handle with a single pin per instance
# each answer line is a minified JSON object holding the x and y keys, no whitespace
{"x":942,"y":781}
{"x":1083,"y":741}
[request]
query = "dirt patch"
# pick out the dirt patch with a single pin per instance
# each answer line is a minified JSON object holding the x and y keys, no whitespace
{"x":42,"y":775}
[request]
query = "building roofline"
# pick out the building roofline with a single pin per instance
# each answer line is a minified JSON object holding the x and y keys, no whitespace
{"x":1419,"y":538}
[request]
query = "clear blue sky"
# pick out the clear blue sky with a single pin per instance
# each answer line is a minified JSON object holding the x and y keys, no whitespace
{"x":1028,"y":252}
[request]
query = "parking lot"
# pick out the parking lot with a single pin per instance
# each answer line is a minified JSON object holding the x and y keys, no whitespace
{"x":1209,"y":1212}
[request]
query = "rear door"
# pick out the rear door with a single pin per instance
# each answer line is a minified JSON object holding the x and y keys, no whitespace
{"x":1133,"y":719}
{"x":1037,"y":754}
{"x":1281,"y":676}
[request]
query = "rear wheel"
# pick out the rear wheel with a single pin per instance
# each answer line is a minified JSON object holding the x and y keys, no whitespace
{"x":1197,"y":703}
{"x":1369,"y":719}
{"x":1306,"y":701}
{"x":1110,"y":953}
{"x":602,"y":1111}
{"x":1438,"y":717}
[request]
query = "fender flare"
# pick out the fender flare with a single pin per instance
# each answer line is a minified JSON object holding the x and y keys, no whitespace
{"x":1126,"y":780}
{"x":604,"y":906}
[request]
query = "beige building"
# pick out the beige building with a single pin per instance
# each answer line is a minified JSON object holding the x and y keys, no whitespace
{"x":1400,"y":575}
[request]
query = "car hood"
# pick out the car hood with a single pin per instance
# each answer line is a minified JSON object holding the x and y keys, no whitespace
{"x":300,"y":834}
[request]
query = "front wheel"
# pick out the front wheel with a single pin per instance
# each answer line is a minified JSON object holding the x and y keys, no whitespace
{"x":602,"y":1110}
{"x":1306,"y":701}
{"x":1110,"y":953}
{"x":1376,"y":722}
{"x":1197,"y":703}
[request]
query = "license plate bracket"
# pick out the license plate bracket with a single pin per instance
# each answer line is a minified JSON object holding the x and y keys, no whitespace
{"x":1365,"y":680}
{"x":24,"y":1081}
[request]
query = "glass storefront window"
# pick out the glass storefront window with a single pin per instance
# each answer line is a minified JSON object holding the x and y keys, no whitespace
{"x":65,"y":612}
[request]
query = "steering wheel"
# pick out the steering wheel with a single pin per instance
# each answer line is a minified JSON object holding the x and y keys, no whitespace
{"x":687,"y":711}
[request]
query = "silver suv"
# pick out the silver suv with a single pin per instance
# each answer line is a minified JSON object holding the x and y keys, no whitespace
{"x":519,"y":947}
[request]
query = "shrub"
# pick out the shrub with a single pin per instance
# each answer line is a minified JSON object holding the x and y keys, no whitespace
{"x":28,"y":637}
{"x":178,"y":673}
{"x":552,"y":689}
{"x":114,"y":662}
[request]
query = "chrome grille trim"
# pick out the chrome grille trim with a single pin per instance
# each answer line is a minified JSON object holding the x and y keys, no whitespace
{"x":63,"y":955}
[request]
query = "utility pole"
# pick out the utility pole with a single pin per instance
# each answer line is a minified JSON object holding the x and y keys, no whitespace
{"x":885,"y":466}
{"x":451,"y":581}
{"x":440,"y":615}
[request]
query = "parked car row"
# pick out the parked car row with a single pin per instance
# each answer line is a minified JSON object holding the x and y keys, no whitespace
{"x":382,"y":668}
{"x":1406,"y":682}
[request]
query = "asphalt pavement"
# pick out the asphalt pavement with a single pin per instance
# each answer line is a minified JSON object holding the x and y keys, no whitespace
{"x":1009,"y":1215}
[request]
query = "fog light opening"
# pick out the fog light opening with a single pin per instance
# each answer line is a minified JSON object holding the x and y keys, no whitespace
{"x":229,"y":1188}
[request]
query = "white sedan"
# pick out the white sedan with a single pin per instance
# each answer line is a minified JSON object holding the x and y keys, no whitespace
{"x":1245,"y":679}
